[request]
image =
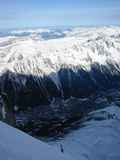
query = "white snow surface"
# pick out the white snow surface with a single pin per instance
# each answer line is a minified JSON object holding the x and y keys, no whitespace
{"x":97,"y":140}
{"x":16,"y":145}
{"x":80,"y":47}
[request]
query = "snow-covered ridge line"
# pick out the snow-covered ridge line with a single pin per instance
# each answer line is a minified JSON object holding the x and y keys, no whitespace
{"x":17,"y":145}
{"x":39,"y":30}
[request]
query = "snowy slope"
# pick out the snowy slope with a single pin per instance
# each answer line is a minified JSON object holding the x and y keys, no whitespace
{"x":16,"y":145}
{"x":98,"y":139}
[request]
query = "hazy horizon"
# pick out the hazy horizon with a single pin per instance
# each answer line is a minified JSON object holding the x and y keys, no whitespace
{"x":39,"y":13}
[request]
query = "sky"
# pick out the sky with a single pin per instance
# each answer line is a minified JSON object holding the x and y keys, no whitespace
{"x":39,"y":13}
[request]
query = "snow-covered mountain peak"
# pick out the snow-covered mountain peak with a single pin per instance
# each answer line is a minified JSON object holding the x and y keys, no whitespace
{"x":80,"y":47}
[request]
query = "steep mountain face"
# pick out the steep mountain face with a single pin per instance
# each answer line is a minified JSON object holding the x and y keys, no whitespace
{"x":75,"y":62}
{"x":86,"y":60}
